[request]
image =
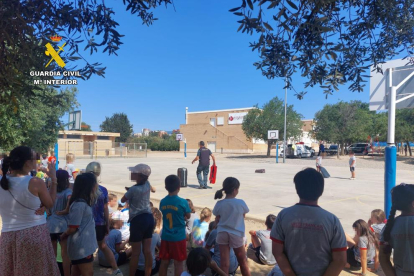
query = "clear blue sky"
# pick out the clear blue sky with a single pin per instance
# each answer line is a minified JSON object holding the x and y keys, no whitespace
{"x":190,"y":57}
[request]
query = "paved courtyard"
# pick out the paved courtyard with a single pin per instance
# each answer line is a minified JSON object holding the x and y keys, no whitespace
{"x":269,"y":192}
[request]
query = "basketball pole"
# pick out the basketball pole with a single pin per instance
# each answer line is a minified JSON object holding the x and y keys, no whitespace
{"x":57,"y":155}
{"x":390,"y":150}
{"x":284,"y":133}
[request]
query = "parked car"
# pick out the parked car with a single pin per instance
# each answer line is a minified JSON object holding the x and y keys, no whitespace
{"x":363,"y":148}
{"x":332,"y":150}
{"x":312,"y":151}
{"x":299,"y":152}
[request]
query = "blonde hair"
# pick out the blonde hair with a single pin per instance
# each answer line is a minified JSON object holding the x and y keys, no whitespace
{"x":379,"y":215}
{"x":70,"y":157}
{"x":157,"y":216}
{"x":205,"y":213}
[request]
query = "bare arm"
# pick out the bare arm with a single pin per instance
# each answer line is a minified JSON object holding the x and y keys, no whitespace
{"x":214,"y":159}
{"x":282,"y":259}
{"x":364,"y":262}
{"x":124,"y":199}
{"x":66,"y":211}
{"x":337,"y":265}
{"x":217,"y":269}
{"x":38,"y":188}
{"x":153,"y":190}
{"x":384,"y":259}
{"x":195,"y":159}
{"x":376,"y":261}
{"x":120,"y":246}
{"x":69,"y":231}
{"x":106,"y":216}
{"x":187,"y":215}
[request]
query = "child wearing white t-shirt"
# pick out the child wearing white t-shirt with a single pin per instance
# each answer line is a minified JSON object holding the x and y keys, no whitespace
{"x":230,"y":213}
{"x":318,"y":163}
{"x":363,"y":248}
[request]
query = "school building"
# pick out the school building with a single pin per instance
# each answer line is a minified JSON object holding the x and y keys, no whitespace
{"x":222,"y":132}
{"x":88,"y":143}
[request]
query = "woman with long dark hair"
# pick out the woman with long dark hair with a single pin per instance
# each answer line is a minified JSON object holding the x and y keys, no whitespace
{"x":398,"y":234}
{"x":81,"y":225}
{"x":25,"y":246}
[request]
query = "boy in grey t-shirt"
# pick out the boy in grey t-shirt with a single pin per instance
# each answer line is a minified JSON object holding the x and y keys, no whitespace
{"x":262,"y":244}
{"x":308,"y":240}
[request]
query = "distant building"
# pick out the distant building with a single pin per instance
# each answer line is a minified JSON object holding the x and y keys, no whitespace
{"x":221,"y":130}
{"x":306,"y":136}
{"x":175,"y":131}
{"x":87,"y":143}
{"x":138,"y":134}
{"x":146,"y":132}
{"x":162,"y":133}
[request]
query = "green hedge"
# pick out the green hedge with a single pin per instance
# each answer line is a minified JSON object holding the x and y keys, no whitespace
{"x":167,"y":143}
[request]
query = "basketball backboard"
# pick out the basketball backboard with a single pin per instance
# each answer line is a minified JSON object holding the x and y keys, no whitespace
{"x":273,"y":134}
{"x":380,"y":85}
{"x":75,"y":120}
{"x":179,"y":137}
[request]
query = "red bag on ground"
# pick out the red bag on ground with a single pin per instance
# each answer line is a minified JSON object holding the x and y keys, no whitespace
{"x":213,"y":173}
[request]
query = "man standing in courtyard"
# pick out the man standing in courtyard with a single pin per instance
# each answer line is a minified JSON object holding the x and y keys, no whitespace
{"x":203,"y":155}
{"x":321,"y":148}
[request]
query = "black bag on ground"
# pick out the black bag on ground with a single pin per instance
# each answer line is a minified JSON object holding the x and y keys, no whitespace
{"x":182,"y":175}
{"x":324,"y":172}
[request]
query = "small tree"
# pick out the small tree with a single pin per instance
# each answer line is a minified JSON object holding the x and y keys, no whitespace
{"x":344,"y":123}
{"x":36,"y":122}
{"x":119,"y":122}
{"x":257,"y":122}
{"x":85,"y":127}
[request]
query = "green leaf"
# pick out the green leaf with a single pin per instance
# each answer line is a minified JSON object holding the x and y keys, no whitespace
{"x":249,"y":2}
{"x":292,"y":4}
{"x":234,"y":9}
{"x":268,"y":26}
{"x":274,"y":4}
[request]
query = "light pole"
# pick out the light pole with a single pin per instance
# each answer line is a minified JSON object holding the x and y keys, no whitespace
{"x":284,"y":130}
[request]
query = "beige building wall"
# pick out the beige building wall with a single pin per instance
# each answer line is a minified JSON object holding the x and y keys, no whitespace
{"x":87,"y":143}
{"x":228,"y":138}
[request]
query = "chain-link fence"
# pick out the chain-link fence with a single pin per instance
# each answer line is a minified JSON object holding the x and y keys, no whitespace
{"x":99,"y":149}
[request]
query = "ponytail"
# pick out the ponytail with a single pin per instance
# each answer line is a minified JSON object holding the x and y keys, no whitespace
{"x":5,"y":169}
{"x":390,"y":224}
{"x":229,"y":185}
{"x":219,"y":194}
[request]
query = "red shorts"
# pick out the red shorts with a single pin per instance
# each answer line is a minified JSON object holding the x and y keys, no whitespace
{"x":173,"y":250}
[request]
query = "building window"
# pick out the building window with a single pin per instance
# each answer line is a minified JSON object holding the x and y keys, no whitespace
{"x":60,"y":136}
{"x":102,"y":137}
{"x":220,"y":121}
{"x":213,"y":122}
{"x":71,"y":136}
